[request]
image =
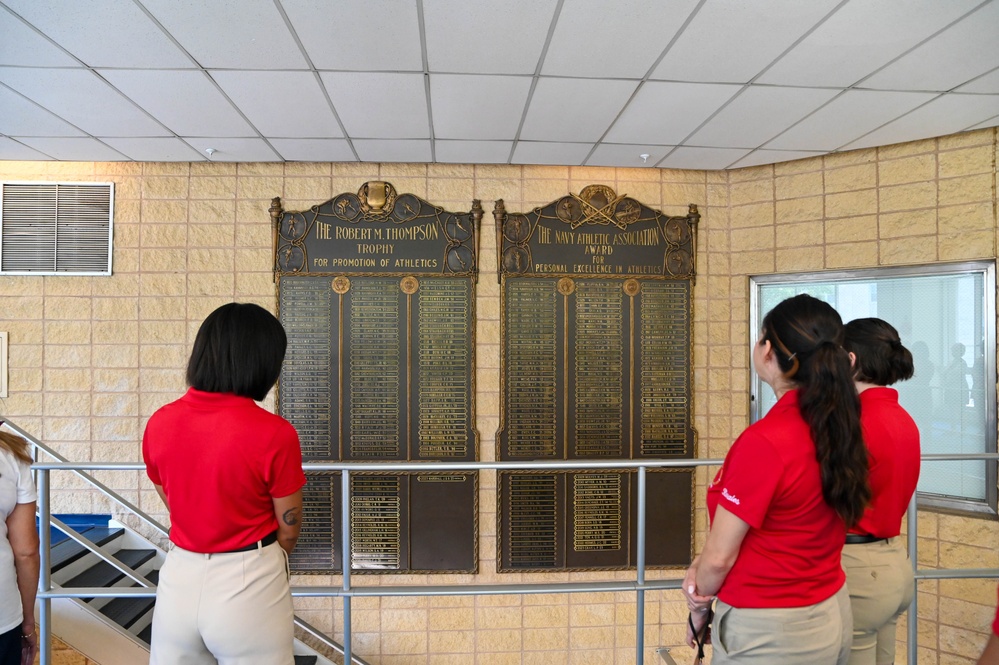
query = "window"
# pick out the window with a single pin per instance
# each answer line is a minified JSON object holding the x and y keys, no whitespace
{"x":945,"y":314}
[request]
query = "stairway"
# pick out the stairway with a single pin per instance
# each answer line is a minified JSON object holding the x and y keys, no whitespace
{"x":76,"y":566}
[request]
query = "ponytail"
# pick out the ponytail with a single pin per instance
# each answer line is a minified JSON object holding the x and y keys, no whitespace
{"x":807,"y":336}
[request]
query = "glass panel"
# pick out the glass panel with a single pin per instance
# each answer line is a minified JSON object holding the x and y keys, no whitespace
{"x":947,"y":320}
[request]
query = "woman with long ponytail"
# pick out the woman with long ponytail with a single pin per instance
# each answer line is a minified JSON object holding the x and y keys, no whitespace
{"x":780,"y":505}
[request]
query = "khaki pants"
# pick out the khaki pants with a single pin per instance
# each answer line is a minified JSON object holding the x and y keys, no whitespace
{"x":230,"y":609}
{"x":812,"y":635}
{"x":879,"y":578}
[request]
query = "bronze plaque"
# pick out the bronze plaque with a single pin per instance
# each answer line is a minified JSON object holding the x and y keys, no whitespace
{"x":387,"y":233}
{"x":596,"y":337}
{"x":595,"y":233}
{"x":569,"y":520}
{"x":416,"y":522}
{"x":596,"y":373}
{"x":376,"y":291}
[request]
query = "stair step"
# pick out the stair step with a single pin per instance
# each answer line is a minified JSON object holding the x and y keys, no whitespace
{"x":103,"y":574}
{"x":306,"y":660}
{"x":68,"y":551}
{"x":146,"y":634}
{"x":126,"y":611}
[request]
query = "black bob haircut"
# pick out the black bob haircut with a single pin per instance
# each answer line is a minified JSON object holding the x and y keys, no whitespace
{"x":239,"y":349}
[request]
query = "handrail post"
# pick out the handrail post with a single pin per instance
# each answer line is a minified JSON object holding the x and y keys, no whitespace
{"x":912,"y":624}
{"x":640,"y":566}
{"x":345,"y":562}
{"x":44,"y":572}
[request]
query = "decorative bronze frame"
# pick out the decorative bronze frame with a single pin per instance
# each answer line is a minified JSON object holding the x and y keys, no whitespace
{"x":371,"y":239}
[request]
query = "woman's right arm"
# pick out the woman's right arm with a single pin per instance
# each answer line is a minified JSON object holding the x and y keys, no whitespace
{"x":720,"y":551}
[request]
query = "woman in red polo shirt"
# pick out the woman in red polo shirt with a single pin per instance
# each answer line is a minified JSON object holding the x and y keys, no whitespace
{"x":878,"y":571}
{"x":781,"y":502}
{"x":231,"y":476}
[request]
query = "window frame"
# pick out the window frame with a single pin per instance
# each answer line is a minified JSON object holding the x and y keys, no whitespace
{"x":987,"y":507}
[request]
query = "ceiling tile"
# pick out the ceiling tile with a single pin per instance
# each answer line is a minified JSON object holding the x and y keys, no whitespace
{"x":962,"y":52}
{"x":187,"y":102}
{"x":846,"y":118}
{"x":83,"y":99}
{"x":155,"y":150}
{"x":73,"y":149}
{"x":239,"y":34}
{"x":21,"y":117}
{"x":720,"y":28}
{"x":11,"y":150}
{"x":376,"y":105}
{"x":758,"y":157}
{"x":542,"y":152}
{"x":379,"y":150}
{"x":626,"y":155}
{"x":666,"y":113}
{"x":25,"y":47}
{"x":289,"y":104}
{"x":947,"y":114}
{"x":701,"y":158}
{"x":759,"y":114}
{"x":384,"y":35}
{"x":988,"y":83}
{"x":860,"y":38}
{"x":571,"y":110}
{"x":234,"y":150}
{"x":621,"y":40}
{"x":477,"y":107}
{"x":472,"y":152}
{"x":314,"y":150}
{"x":128,"y":38}
{"x":991,"y":122}
{"x":486,"y":37}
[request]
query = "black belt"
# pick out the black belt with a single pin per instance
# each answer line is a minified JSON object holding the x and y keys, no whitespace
{"x":263,"y":542}
{"x":862,"y":539}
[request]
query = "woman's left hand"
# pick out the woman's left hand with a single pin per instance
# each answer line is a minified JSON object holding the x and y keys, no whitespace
{"x":29,"y":644}
{"x":696,"y":603}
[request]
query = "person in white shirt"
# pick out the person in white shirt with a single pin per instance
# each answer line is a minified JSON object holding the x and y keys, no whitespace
{"x":18,"y":553}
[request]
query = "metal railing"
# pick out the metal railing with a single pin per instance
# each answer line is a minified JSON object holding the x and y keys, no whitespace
{"x":639,"y":585}
{"x":125,"y":504}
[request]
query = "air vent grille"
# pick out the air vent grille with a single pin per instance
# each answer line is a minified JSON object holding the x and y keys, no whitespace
{"x":56,"y":228}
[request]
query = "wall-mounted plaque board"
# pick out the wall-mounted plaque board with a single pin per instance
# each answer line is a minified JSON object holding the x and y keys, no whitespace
{"x":376,"y":291}
{"x":596,"y":365}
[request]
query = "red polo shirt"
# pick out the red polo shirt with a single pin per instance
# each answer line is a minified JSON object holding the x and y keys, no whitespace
{"x":221,"y":460}
{"x":790,"y":556}
{"x":893,"y":457}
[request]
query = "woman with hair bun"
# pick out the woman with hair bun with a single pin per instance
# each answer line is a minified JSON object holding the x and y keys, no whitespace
{"x":780,"y":505}
{"x":878,"y":572}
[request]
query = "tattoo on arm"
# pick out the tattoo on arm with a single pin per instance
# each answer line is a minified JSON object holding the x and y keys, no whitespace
{"x":290,"y":517}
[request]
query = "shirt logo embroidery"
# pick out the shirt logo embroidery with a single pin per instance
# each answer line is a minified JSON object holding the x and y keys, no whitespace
{"x":730,"y":497}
